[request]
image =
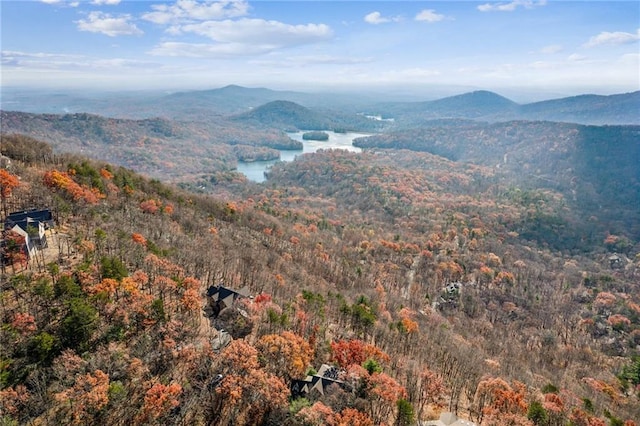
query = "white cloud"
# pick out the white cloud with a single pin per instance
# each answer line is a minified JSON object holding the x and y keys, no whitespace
{"x":429,"y":15}
{"x":260,"y":32}
{"x":576,"y":57}
{"x":183,"y":11}
{"x":330,"y":60}
{"x":551,"y":49}
{"x":116,"y":63}
{"x":20,"y":59}
{"x":242,"y":37}
{"x":613,"y":38}
{"x":105,"y":23}
{"x":61,"y":2}
{"x":106,"y":2}
{"x":630,"y":57}
{"x":174,"y":30}
{"x":375,"y":18}
{"x":205,"y":50}
{"x":55,"y":61}
{"x":311,"y":61}
{"x":510,"y":7}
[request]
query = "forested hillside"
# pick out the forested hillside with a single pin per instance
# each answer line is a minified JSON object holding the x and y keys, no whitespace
{"x":595,"y":168}
{"x":289,"y":116}
{"x":171,"y":150}
{"x":411,"y":274}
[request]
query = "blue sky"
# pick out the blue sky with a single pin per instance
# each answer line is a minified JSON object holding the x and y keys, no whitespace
{"x":530,"y":45}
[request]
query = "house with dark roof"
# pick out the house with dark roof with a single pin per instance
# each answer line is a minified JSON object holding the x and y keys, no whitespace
{"x":319,"y":382}
{"x":31,"y":225}
{"x":34,"y":215}
{"x":221,"y":297}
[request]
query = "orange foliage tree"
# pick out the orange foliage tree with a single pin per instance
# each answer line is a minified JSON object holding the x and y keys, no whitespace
{"x":431,"y":390}
{"x":158,"y":401}
{"x":62,"y":180}
{"x":86,"y":398}
{"x":286,"y":354}
{"x":350,"y":417}
{"x":12,"y":401}
{"x":383,"y":392}
{"x":501,"y":404}
{"x":8,"y":183}
{"x":247,"y":393}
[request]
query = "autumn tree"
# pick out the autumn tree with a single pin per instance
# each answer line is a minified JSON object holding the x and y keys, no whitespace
{"x":84,"y":400}
{"x":286,"y":354}
{"x":8,"y":183}
{"x":383,"y":393}
{"x":500,"y":403}
{"x":355,"y":351}
{"x":429,"y":390}
{"x":317,"y":414}
{"x":247,"y":394}
{"x":13,"y":401}
{"x":158,"y":401}
{"x":14,"y":250}
{"x":351,"y":417}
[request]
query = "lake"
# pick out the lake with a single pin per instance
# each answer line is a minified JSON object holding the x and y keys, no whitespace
{"x":254,"y":170}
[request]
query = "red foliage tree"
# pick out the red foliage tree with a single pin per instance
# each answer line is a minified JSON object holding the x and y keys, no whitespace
{"x":24,"y":323}
{"x":347,"y":352}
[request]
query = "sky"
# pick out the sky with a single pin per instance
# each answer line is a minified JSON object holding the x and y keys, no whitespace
{"x":566,"y":47}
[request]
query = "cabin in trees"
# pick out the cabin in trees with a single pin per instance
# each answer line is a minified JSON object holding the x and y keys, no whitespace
{"x":221,"y":297}
{"x":325,"y":377}
{"x":616,"y":261}
{"x":30,"y":227}
{"x":448,"y":419}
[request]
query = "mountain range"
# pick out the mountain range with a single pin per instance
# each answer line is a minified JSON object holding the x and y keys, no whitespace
{"x":232,"y":100}
{"x":489,"y":106}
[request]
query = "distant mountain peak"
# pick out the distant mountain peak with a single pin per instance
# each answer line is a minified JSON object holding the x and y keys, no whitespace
{"x":285,"y":114}
{"x":232,"y":86}
{"x":472,"y":105}
{"x":283,"y":104}
{"x":235,"y":87}
{"x":476,"y":97}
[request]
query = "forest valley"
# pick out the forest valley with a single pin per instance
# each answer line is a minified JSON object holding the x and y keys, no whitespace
{"x":430,"y":284}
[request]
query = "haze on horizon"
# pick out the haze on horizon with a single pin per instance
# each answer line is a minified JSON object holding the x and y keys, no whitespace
{"x":517,"y":46}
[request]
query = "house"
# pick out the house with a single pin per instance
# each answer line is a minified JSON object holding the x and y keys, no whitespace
{"x":325,"y":377}
{"x":448,"y":419}
{"x":221,"y":297}
{"x":616,"y":261}
{"x":42,"y":215}
{"x":31,"y":226}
